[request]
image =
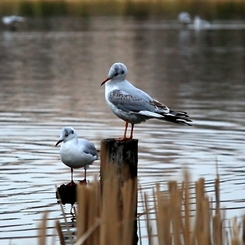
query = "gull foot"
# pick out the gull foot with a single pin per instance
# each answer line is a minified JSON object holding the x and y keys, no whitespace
{"x":71,"y":183}
{"x":83,"y":182}
{"x":123,"y":139}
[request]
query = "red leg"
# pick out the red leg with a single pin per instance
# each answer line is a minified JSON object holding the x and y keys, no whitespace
{"x":72,"y":182}
{"x":132,"y":130}
{"x":125,"y":130}
{"x":84,"y":182}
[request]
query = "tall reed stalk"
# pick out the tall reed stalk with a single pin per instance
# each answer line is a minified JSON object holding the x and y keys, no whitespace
{"x":108,"y":217}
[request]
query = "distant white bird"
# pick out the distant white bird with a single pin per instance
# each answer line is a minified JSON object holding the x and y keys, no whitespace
{"x":184,"y":18}
{"x":199,"y":23}
{"x":74,"y":152}
{"x":12,"y":21}
{"x":134,"y":105}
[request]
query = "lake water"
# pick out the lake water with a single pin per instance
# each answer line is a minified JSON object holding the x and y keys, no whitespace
{"x":50,"y":77}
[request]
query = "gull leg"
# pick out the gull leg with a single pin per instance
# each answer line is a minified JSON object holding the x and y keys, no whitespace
{"x":85,"y":177}
{"x":72,"y":182}
{"x":132,"y":130}
{"x":72,"y":175}
{"x":125,"y":131}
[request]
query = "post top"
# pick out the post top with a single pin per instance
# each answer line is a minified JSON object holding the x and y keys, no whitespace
{"x":119,"y":141}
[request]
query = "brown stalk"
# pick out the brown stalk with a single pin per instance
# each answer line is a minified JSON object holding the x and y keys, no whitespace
{"x":42,"y":229}
{"x":65,"y":219}
{"x":108,"y":218}
{"x":87,"y":234}
{"x":157,"y":207}
{"x":243,"y":229}
{"x":91,"y":207}
{"x":110,"y":214}
{"x":186,"y":231}
{"x":82,"y":202}
{"x":206,"y":222}
{"x":175,"y":212}
{"x":162,"y":208}
{"x":199,"y":187}
{"x":129,"y":216}
{"x":60,"y":234}
{"x":236,"y":233}
{"x":148,"y":225}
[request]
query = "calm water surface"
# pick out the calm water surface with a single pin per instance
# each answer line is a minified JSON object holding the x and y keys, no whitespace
{"x":50,"y":78}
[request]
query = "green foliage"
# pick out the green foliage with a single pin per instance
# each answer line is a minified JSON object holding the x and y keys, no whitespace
{"x":162,"y":8}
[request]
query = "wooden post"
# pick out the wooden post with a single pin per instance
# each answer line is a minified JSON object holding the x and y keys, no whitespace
{"x":122,"y":157}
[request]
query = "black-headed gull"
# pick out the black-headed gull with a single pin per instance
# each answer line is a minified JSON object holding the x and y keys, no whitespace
{"x":199,"y":23}
{"x":12,"y":21}
{"x":184,"y":18}
{"x":134,"y":105}
{"x":74,"y":152}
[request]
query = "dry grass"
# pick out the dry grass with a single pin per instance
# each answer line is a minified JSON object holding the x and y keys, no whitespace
{"x":108,"y":217}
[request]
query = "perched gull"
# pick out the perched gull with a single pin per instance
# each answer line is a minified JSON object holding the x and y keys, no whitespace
{"x":184,"y":18}
{"x":199,"y":23}
{"x":134,"y":105}
{"x":74,"y":152}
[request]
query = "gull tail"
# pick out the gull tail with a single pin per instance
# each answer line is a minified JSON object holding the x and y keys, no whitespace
{"x":180,"y":117}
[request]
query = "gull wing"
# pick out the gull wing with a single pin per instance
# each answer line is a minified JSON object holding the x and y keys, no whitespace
{"x":138,"y":102}
{"x":88,"y":147}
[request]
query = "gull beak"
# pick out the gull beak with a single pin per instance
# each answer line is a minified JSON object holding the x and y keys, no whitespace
{"x":59,"y":141}
{"x":107,"y":79}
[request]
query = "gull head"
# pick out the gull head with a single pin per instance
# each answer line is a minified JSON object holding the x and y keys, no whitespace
{"x":184,"y":18}
{"x":67,"y":133}
{"x":117,"y":72}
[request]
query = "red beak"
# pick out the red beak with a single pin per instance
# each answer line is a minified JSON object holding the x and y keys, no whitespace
{"x":107,"y":79}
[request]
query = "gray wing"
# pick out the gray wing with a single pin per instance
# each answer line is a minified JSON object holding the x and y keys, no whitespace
{"x":89,"y":147}
{"x":139,"y":101}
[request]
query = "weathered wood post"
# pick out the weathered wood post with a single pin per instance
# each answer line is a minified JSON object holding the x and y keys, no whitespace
{"x":123,"y":157}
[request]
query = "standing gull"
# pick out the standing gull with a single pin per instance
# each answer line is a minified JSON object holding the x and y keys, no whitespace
{"x":184,"y":18}
{"x":12,"y":21}
{"x":134,"y":105}
{"x":74,"y":152}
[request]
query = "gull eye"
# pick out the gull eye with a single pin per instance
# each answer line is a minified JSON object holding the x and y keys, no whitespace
{"x":66,"y":133}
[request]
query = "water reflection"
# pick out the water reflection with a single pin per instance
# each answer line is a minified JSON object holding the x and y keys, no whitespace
{"x":50,"y":79}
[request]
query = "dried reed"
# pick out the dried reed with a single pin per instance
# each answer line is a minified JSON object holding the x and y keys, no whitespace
{"x":107,"y":217}
{"x":177,"y":222}
{"x":42,"y":230}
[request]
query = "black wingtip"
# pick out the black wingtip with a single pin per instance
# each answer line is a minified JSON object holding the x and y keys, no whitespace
{"x":184,"y":121}
{"x":180,"y":117}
